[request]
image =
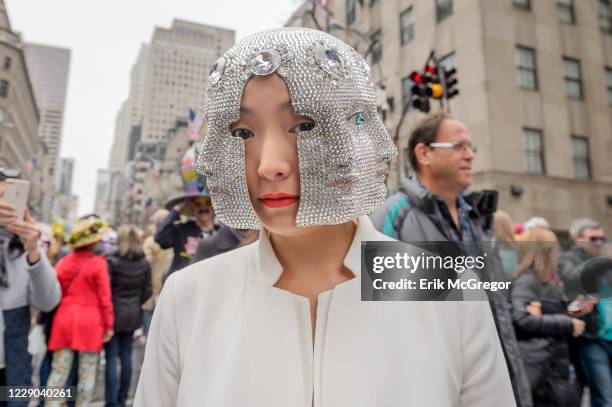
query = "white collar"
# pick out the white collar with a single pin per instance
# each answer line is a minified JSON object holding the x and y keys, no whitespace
{"x":267,"y":269}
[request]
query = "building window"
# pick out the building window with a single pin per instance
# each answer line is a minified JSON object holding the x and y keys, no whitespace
{"x":407,"y":24}
{"x":609,"y":85}
{"x":406,"y":89}
{"x":7,"y":63}
{"x":4,"y":88}
{"x":565,"y":9}
{"x":582,"y":157}
{"x":444,"y":8}
{"x":573,"y":81}
{"x":533,"y":151}
{"x":526,"y":72}
{"x":604,"y":12}
{"x":351,"y":7}
{"x":376,"y":46}
{"x":524,"y":4}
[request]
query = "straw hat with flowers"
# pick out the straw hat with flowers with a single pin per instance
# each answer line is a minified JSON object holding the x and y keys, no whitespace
{"x":88,"y":231}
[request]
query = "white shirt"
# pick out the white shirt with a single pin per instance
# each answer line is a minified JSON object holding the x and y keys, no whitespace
{"x":222,"y":335}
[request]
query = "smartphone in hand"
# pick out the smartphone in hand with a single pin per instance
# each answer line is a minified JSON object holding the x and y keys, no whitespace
{"x":16,"y":193}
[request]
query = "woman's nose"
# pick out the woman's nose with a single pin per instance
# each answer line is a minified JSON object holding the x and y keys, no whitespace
{"x":276,"y":157}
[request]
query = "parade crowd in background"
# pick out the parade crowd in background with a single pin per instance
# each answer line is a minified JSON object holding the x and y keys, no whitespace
{"x":72,"y":293}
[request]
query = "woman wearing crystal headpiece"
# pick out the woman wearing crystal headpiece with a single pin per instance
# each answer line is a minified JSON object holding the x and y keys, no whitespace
{"x":295,"y":148}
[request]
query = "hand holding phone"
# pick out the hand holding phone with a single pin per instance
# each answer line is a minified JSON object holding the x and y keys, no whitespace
{"x":28,"y":234}
{"x":16,"y":194}
{"x":8,"y":214}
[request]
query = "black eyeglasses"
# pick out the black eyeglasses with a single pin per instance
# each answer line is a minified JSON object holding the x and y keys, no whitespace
{"x":601,"y":239}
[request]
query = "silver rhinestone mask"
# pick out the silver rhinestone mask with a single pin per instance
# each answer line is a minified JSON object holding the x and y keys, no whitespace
{"x":343,"y":161}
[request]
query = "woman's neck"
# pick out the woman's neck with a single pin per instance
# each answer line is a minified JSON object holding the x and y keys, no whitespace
{"x":319,"y":251}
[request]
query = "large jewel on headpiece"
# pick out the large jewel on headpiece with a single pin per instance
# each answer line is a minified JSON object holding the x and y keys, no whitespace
{"x":265,"y":62}
{"x":216,"y":72}
{"x":343,"y":161}
{"x":329,"y":59}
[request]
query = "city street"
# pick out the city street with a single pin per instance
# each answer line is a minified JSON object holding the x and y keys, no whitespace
{"x":252,"y":157}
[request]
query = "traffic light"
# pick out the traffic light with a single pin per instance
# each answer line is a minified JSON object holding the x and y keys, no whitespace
{"x":432,"y":79}
{"x":450,"y":83}
{"x":437,"y":90}
{"x":421,"y":92}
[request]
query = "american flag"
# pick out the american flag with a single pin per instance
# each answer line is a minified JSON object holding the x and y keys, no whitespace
{"x":195,"y":125}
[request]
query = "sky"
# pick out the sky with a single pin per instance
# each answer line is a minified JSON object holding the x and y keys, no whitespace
{"x":104,"y":37}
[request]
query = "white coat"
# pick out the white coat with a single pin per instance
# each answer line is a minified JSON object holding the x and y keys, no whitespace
{"x":223,"y":336}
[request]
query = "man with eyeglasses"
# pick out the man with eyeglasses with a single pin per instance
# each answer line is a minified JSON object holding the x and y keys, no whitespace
{"x":435,"y":206}
{"x":592,"y":352}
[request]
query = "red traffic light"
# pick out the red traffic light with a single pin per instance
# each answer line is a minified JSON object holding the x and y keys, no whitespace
{"x":416,"y":77}
{"x":431,"y":69}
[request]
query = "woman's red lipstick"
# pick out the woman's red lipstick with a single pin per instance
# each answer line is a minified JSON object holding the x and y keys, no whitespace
{"x":279,"y":199}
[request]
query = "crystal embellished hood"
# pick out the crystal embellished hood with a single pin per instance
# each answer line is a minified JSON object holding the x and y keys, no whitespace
{"x":343,"y":161}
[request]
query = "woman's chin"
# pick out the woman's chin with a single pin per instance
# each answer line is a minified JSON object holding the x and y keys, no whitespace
{"x":281,"y":223}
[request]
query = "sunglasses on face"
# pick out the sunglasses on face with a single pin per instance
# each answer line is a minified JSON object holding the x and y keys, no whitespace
{"x":600,"y":239}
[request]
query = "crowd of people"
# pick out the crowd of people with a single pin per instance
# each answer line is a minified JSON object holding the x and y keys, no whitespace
{"x":555,"y":324}
{"x":89,"y":293}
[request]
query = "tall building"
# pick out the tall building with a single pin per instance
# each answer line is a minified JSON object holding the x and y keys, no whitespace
{"x":119,"y":150}
{"x":535,"y":82}
{"x":130,"y":115}
{"x":168,"y":79}
{"x":49,"y":67}
{"x":177,"y":71}
{"x":66,"y":170}
{"x":19,"y":115}
{"x":66,"y":207}
{"x":103,"y":186}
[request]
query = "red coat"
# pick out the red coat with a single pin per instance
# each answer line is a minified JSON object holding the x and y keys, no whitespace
{"x":85,"y":311}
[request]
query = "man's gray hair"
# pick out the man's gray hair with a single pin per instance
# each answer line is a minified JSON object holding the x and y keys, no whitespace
{"x":580,"y":225}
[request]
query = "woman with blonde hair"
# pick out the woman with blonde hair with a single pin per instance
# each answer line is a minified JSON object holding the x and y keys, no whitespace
{"x":130,"y":277}
{"x":542,"y":324}
{"x":504,"y":233}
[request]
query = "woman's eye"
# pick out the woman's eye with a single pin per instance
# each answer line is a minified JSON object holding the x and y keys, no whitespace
{"x":305,"y":126}
{"x":242,"y":133}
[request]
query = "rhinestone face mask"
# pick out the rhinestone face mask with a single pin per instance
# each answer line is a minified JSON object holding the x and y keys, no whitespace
{"x":343,"y":161}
